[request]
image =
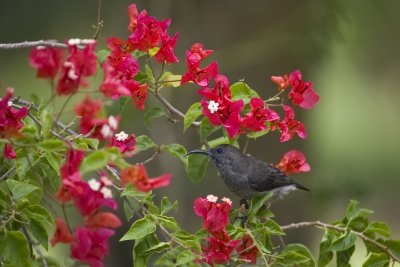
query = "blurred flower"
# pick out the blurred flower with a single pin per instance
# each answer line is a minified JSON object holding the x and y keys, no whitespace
{"x":302,"y":93}
{"x":46,"y":60}
{"x":124,"y":142}
{"x":91,"y":246}
{"x":194,"y":73}
{"x":72,"y":162}
{"x":102,"y":219}
{"x":78,"y":65}
{"x":293,"y":162}
{"x":9,"y":152}
{"x":111,"y":86}
{"x":281,"y":81}
{"x":137,"y":176}
{"x":218,"y":251}
{"x":259,"y":115}
{"x":166,"y":53}
{"x":62,"y":233}
{"x":10,"y":118}
{"x":247,"y":250}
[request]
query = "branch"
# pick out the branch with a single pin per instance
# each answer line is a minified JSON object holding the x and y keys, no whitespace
{"x":342,"y":229}
{"x":4,"y":176}
{"x":35,"y":245}
{"x":31,"y":44}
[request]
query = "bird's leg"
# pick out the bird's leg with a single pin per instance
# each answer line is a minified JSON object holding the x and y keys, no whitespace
{"x":244,"y":206}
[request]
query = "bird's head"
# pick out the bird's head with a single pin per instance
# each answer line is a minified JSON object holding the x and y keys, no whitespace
{"x":221,"y":155}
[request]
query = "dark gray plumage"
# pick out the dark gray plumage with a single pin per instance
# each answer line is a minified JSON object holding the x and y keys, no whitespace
{"x":247,"y":176}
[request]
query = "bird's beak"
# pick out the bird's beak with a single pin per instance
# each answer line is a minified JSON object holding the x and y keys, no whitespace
{"x":199,"y":151}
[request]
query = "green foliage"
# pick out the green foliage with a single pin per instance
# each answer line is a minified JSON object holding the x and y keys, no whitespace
{"x":140,"y":228}
{"x":153,"y":113}
{"x":241,"y":90}
{"x":144,"y":143}
{"x":191,"y":115}
{"x":177,"y":151}
{"x":196,"y":167}
{"x":14,"y":249}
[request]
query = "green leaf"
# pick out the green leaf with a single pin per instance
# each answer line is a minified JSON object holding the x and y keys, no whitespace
{"x":379,"y":228}
{"x":46,"y":119}
{"x":297,"y":255}
{"x":325,"y":255}
{"x":168,"y":222}
{"x":25,"y":160}
{"x":92,"y":143}
{"x":140,"y":229}
{"x":20,"y":190}
{"x":394,"y":246}
{"x":158,"y":248}
{"x":185,"y":257}
{"x":196,"y":167}
{"x":149,"y":73}
{"x":14,"y":249}
{"x":343,"y":242}
{"x":343,"y":257}
{"x":167,"y":206}
{"x":191,"y":115}
{"x":241,"y":90}
{"x":143,"y":143}
{"x":140,"y":258}
{"x":39,"y":232}
{"x":354,"y":211}
{"x":102,"y":55}
{"x":206,"y":128}
{"x":41,"y":214}
{"x":130,"y":191}
{"x":94,"y":161}
{"x":273,"y":228}
{"x":223,"y":140}
{"x":257,"y":203}
{"x":51,"y":262}
{"x":377,"y":260}
{"x":153,"y":113}
{"x":172,"y":80}
{"x":177,"y":151}
{"x":54,"y":161}
{"x":52,"y":145}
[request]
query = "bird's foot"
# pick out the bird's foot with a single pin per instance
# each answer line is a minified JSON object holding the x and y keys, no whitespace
{"x":245,"y":203}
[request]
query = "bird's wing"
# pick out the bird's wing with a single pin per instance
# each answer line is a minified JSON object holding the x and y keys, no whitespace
{"x":266,"y":177}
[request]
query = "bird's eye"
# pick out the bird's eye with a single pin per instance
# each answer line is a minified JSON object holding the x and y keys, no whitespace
{"x":219,"y":150}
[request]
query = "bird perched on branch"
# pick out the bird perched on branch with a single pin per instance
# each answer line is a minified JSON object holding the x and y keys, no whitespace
{"x":247,"y":176}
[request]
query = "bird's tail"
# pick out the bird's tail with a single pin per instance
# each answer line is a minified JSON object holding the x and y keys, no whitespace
{"x":299,"y":186}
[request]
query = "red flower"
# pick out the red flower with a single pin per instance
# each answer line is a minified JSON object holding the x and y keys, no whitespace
{"x":302,"y":93}
{"x":112,"y":87}
{"x":195,"y":73}
{"x":281,"y":81}
{"x":119,"y":49}
{"x":102,"y":219}
{"x":88,"y":108}
{"x":91,"y":246}
{"x":72,"y":162}
{"x":166,"y":53}
{"x":137,"y":175}
{"x":255,"y":120}
{"x":218,"y":251}
{"x":247,"y":250}
{"x":147,"y":32}
{"x":139,"y":94}
{"x":124,"y":142}
{"x":9,"y":152}
{"x":289,"y":126}
{"x":78,"y":65}
{"x":293,"y":162}
{"x":10,"y":118}
{"x":215,"y":215}
{"x":220,"y":109}
{"x":46,"y":60}
{"x":62,"y":233}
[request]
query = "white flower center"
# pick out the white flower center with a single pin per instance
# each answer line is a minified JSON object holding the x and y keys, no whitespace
{"x":105,"y":131}
{"x":227,"y":200}
{"x":121,"y":136}
{"x":94,"y":184}
{"x":112,"y":121}
{"x":212,"y":198}
{"x":213,"y":106}
{"x":107,"y":193}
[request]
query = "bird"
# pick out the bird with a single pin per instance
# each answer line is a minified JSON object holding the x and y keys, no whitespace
{"x":247,"y":176}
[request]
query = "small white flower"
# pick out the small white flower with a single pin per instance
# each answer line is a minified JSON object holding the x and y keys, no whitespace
{"x":112,"y":121}
{"x":88,"y":41}
{"x":213,"y":106}
{"x":9,"y":103}
{"x":212,"y":198}
{"x":106,"y":181}
{"x":227,"y":200}
{"x":107,"y":193}
{"x":121,"y":136}
{"x":94,"y":184}
{"x":105,"y":131}
{"x":74,"y":41}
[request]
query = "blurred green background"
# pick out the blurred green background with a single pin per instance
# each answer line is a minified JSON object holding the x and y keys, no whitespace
{"x":349,"y":49}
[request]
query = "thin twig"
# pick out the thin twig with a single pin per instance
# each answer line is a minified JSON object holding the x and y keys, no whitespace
{"x":342,"y":229}
{"x":99,"y":25}
{"x":35,"y":244}
{"x":30,"y":44}
{"x":4,"y":176}
{"x":158,"y":152}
